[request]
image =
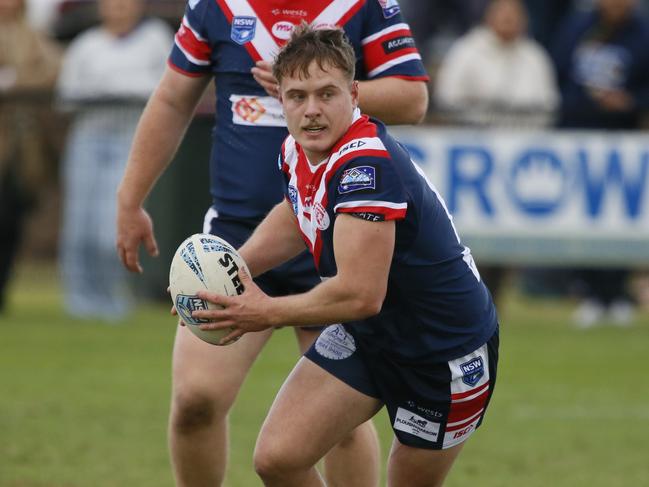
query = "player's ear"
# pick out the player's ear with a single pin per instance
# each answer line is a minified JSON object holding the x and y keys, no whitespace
{"x":355,"y":93}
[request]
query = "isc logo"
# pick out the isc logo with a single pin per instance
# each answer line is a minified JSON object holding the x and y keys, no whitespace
{"x":352,"y":145}
{"x":463,"y":432}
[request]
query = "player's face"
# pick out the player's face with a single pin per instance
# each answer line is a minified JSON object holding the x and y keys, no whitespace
{"x":318,"y":108}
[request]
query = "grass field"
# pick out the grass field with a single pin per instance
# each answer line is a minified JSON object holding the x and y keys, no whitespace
{"x":84,"y":404}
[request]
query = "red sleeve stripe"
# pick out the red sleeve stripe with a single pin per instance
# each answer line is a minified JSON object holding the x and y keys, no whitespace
{"x":409,"y":78}
{"x":388,"y":30}
{"x":185,"y":72}
{"x":390,"y":211}
{"x":187,"y":25}
{"x":195,"y":49}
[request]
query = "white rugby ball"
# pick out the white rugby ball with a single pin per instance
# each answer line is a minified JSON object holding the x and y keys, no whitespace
{"x":204,"y":261}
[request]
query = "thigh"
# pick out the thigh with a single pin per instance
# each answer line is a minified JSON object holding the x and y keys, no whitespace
{"x":417,"y":467}
{"x":314,"y":410}
{"x":213,"y":372}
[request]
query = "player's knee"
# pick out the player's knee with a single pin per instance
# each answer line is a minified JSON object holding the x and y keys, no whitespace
{"x":273,"y":461}
{"x":191,"y":413}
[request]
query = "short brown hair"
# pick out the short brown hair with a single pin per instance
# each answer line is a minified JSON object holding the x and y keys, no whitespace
{"x":327,"y":47}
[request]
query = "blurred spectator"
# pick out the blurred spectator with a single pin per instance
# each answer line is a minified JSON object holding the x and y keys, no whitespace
{"x":496,"y":76}
{"x":438,"y":23}
{"x":29,"y":65}
{"x":108,"y":73}
{"x":602,"y":59}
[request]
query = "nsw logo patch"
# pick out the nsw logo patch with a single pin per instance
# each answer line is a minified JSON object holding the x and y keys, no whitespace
{"x":357,"y":178}
{"x":243,"y":29}
{"x":472,"y":371}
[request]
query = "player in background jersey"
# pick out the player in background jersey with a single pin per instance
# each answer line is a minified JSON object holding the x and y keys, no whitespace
{"x":229,"y":41}
{"x":419,"y":332}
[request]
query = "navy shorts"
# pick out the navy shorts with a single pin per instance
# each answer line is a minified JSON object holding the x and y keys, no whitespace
{"x":299,"y":275}
{"x":432,"y":406}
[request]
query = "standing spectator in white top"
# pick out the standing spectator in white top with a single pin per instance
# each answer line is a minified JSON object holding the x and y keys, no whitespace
{"x":496,"y":75}
{"x":108,"y":73}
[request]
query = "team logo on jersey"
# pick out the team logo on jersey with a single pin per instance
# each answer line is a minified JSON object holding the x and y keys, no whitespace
{"x":292,"y":195}
{"x":390,"y":8}
{"x":243,"y":29}
{"x":320,"y":216}
{"x":473,"y":371}
{"x":335,"y":343}
{"x":357,"y":178}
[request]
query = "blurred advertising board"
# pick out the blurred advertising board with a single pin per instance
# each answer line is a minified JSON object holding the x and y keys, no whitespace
{"x":548,"y":197}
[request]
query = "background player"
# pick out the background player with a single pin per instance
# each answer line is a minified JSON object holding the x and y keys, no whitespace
{"x":224,"y":39}
{"x":420,"y":332}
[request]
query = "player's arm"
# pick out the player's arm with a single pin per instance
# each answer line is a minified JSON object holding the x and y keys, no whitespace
{"x":390,"y":99}
{"x":363,"y":252}
{"x":159,"y":132}
{"x":275,"y":241}
{"x":394,"y":100}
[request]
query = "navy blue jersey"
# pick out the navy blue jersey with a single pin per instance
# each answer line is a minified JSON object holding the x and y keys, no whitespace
{"x":224,"y":38}
{"x":436,"y":307}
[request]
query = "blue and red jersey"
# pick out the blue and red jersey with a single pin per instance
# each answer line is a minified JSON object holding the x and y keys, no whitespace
{"x":224,"y":38}
{"x":436,"y":307}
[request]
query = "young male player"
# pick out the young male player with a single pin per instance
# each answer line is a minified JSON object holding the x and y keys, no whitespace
{"x":232,"y":40}
{"x":419,"y":331}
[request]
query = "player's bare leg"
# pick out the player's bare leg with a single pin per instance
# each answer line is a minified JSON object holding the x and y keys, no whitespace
{"x":417,"y":467}
{"x":355,"y":460}
{"x":312,"y":412}
{"x":201,"y":399}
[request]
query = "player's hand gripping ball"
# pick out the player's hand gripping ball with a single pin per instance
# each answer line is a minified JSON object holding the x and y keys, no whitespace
{"x":204,"y":261}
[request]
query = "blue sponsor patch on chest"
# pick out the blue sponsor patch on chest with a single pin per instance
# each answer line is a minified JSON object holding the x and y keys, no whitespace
{"x":473,"y":371}
{"x":243,"y":29}
{"x":357,"y":178}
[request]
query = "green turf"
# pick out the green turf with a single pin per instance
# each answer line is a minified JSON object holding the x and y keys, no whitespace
{"x":84,"y":404}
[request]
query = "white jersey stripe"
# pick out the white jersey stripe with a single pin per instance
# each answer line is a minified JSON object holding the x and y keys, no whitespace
{"x":385,"y":31}
{"x":364,"y":203}
{"x":191,"y":58}
{"x":393,"y":62}
{"x":335,"y":11}
{"x":263,"y":42}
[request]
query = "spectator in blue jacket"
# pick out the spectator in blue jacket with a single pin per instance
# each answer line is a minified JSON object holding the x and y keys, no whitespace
{"x":602,"y":60}
{"x":602,"y":63}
